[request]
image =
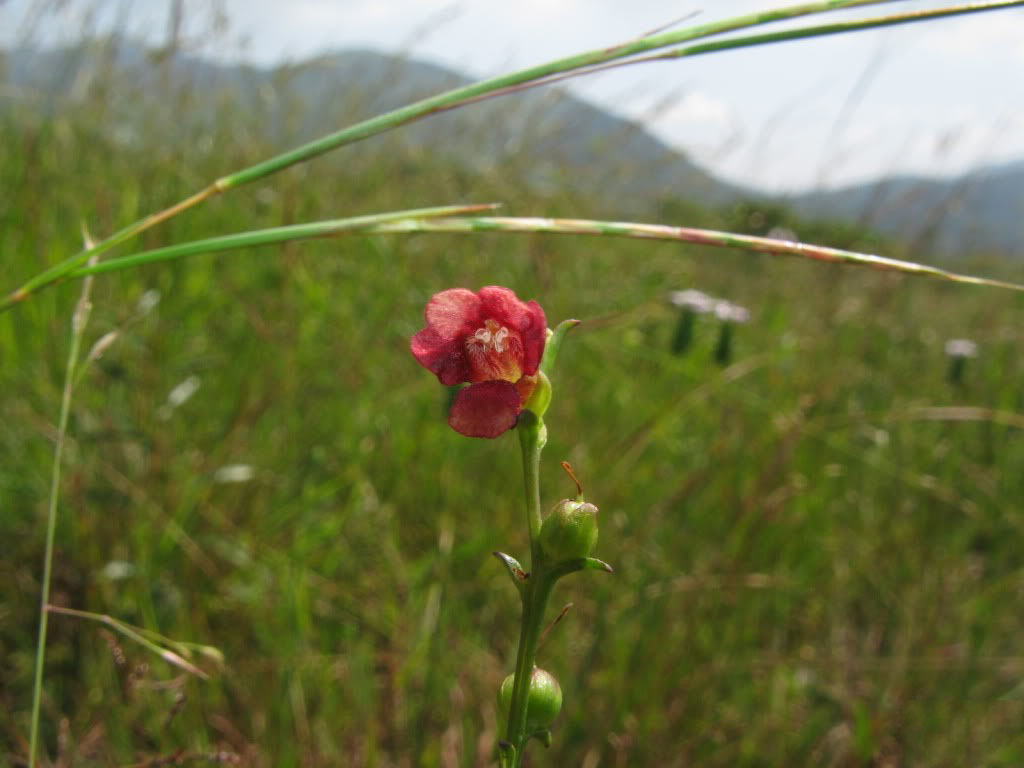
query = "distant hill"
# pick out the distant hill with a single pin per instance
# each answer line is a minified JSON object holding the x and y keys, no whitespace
{"x":557,"y":137}
{"x":983,"y":210}
{"x":553,"y":134}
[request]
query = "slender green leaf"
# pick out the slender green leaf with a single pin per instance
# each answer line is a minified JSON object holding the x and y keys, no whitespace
{"x":685,"y":235}
{"x":272,"y":236}
{"x":555,"y":344}
{"x":458,"y":97}
{"x":402,"y":222}
{"x":136,"y":634}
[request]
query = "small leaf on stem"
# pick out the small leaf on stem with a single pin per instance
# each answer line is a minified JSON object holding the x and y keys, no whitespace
{"x":555,"y":343}
{"x":515,"y":570}
{"x":581,"y":564}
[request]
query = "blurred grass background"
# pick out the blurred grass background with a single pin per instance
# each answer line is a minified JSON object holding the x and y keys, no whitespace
{"x":811,"y":567}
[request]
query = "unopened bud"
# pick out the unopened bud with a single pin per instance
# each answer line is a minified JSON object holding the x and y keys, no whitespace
{"x":543,"y":701}
{"x":570,"y":531}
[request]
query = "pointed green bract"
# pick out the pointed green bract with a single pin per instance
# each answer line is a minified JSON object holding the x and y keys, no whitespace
{"x":554,"y":344}
{"x":514,"y":569}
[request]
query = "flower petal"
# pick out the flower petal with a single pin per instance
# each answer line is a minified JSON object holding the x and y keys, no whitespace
{"x":486,"y":409}
{"x":446,"y":358}
{"x":503,"y":305}
{"x":534,"y":337}
{"x":453,"y":312}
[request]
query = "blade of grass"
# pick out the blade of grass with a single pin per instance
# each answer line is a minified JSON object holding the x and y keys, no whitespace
{"x":79,"y":320}
{"x":786,"y":35}
{"x":133,"y":633}
{"x":512,"y":224}
{"x":314,"y":230}
{"x":682,"y":234}
{"x":445,"y":101}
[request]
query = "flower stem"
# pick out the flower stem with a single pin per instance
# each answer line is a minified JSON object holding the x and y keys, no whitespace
{"x":532,"y":437}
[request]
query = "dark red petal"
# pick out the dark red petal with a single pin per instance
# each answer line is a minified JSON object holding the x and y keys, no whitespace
{"x":453,"y":313}
{"x":534,"y":337}
{"x":444,"y":357}
{"x":486,"y":409}
{"x":502,"y":305}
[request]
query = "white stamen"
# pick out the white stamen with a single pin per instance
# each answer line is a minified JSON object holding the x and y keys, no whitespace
{"x":499,"y":340}
{"x":492,"y":337}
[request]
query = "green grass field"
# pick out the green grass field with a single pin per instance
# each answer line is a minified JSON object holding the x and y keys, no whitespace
{"x":818,"y":548}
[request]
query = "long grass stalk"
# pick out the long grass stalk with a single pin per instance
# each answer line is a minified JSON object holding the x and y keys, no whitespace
{"x":578,"y":64}
{"x":275,"y":235}
{"x":513,"y":224}
{"x":692,"y":235}
{"x":79,"y":320}
{"x":138,"y":635}
{"x":785,"y":35}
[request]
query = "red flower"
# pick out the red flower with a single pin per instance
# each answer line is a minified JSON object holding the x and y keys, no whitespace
{"x":490,"y":339}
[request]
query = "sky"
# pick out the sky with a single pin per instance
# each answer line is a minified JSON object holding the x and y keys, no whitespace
{"x":940,"y":98}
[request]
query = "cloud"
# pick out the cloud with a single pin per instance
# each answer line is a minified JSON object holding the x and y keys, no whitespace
{"x":698,"y":108}
{"x":980,"y":36}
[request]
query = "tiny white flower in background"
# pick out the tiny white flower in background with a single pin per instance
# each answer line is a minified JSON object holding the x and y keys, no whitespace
{"x":728,"y":312}
{"x":696,"y":301}
{"x":147,"y":302}
{"x":182,"y":393}
{"x":178,"y":396}
{"x":118,"y":570}
{"x":102,"y":345}
{"x":961,"y":348}
{"x":234,"y":473}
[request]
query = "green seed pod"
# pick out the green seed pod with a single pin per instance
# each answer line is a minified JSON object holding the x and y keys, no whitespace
{"x":543,"y":702}
{"x":570,"y":531}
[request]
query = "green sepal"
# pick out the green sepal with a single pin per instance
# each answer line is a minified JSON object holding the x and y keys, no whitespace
{"x":543,"y":736}
{"x":580,"y":564}
{"x":515,"y":570}
{"x":541,"y":397}
{"x":555,"y":343}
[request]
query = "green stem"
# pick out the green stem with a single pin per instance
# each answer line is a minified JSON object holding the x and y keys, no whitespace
{"x":532,"y":437}
{"x":535,"y":601}
{"x":78,"y":323}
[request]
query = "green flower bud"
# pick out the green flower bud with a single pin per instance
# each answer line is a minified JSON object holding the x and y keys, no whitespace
{"x":570,"y":531}
{"x":543,"y":702}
